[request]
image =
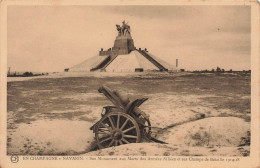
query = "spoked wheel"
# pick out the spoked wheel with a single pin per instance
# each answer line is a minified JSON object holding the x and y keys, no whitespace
{"x":117,"y":128}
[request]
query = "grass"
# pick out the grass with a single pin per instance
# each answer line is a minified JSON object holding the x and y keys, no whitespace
{"x":37,"y":98}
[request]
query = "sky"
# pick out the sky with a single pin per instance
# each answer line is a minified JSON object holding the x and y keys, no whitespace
{"x":51,"y":38}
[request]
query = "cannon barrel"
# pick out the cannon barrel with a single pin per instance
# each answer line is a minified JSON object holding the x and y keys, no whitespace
{"x":121,"y":100}
{"x":111,"y":95}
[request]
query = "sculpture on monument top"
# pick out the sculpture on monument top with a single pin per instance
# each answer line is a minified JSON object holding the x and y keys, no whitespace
{"x":124,"y":29}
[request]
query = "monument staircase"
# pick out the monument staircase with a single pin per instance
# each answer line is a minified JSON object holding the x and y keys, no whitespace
{"x":152,"y":60}
{"x":105,"y":63}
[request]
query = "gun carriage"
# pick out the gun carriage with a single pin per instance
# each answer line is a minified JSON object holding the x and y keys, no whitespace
{"x":122,"y":123}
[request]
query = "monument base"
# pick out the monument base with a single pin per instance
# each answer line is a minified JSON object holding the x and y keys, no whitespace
{"x":123,"y":45}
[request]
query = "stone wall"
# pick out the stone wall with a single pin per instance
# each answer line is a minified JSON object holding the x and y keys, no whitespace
{"x":108,"y":52}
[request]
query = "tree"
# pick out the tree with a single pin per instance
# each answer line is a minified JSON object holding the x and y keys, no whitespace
{"x":218,"y":69}
{"x":28,"y":74}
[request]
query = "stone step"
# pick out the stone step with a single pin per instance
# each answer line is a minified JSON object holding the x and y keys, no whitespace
{"x":152,"y":60}
{"x":104,"y":63}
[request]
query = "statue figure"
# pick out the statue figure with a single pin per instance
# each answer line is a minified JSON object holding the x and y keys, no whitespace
{"x":124,"y":29}
{"x":119,"y":29}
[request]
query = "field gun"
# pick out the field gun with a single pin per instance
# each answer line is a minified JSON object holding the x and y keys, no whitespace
{"x":122,"y":123}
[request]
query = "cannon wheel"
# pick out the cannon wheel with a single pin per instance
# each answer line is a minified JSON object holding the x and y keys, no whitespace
{"x":117,"y":128}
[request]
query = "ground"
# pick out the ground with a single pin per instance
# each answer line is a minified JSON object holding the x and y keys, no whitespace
{"x":196,"y":114}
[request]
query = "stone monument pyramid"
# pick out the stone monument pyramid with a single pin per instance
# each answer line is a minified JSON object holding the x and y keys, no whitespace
{"x":123,"y":57}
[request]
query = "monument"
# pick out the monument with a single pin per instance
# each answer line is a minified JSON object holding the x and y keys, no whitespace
{"x":124,"y":43}
{"x":123,"y":57}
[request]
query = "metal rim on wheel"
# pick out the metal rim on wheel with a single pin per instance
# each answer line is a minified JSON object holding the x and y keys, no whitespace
{"x":117,"y":128}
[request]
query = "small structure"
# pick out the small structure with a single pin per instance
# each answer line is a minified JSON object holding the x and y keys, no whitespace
{"x":124,"y":57}
{"x":9,"y":71}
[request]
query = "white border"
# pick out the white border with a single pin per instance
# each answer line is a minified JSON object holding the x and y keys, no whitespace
{"x":252,"y":161}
